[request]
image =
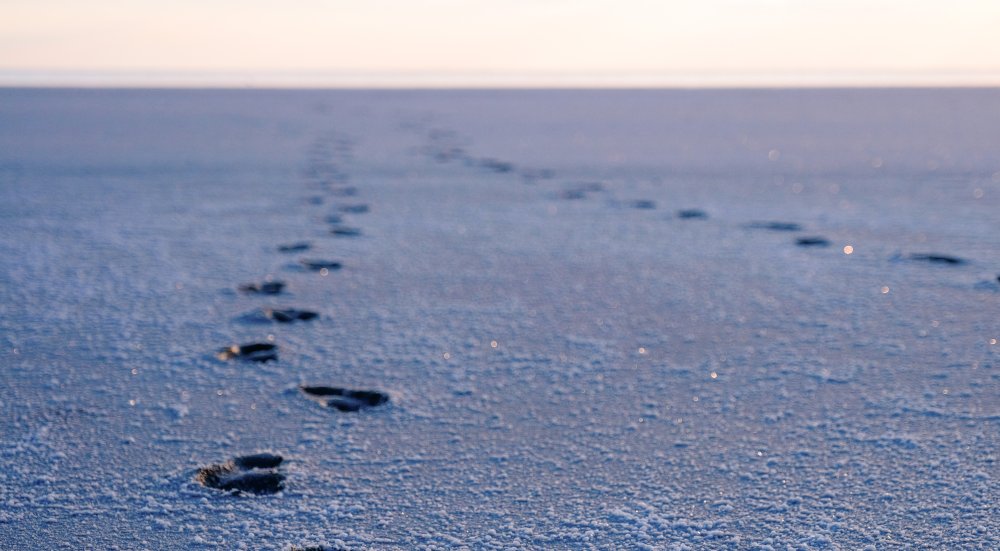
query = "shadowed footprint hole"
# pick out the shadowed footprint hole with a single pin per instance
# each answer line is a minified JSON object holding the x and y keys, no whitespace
{"x":280,"y":315}
{"x":253,"y":474}
{"x":345,"y":231}
{"x":343,"y":399}
{"x":935,"y":258}
{"x":265,"y":288}
{"x":295,"y":247}
{"x":775,"y":226}
{"x":251,"y":352}
{"x":354,"y":209}
{"x":318,"y":265}
{"x":812,"y":242}
{"x":691,"y":214}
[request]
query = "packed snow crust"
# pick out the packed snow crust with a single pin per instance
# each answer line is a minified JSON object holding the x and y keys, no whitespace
{"x":571,"y":364}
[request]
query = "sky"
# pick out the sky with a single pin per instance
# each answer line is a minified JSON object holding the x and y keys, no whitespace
{"x":510,"y":41}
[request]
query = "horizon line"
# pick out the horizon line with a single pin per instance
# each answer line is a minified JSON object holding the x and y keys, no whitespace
{"x":512,"y":80}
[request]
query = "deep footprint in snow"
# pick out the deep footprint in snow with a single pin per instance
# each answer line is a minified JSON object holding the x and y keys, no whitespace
{"x":581,"y":190}
{"x":812,"y":242}
{"x":691,"y":214}
{"x":343,"y":399}
{"x":355,"y":209}
{"x":280,"y":315}
{"x":345,"y":231}
{"x":254,"y":474}
{"x":935,"y":258}
{"x":295,"y":247}
{"x":265,"y":288}
{"x":320,"y":265}
{"x":495,"y":165}
{"x":288,"y":315}
{"x":643,"y":204}
{"x":775,"y":226}
{"x":251,"y":352}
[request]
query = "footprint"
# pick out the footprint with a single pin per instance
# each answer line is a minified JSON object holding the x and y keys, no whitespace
{"x":343,"y":399}
{"x":643,"y":204}
{"x":532,"y":175}
{"x":345,"y":231}
{"x":938,"y":258}
{"x":288,"y":315}
{"x":266,"y":288}
{"x":354,"y":209}
{"x":280,"y":315}
{"x":254,"y":474}
{"x":580,"y":190}
{"x":775,"y":226}
{"x":252,"y":352}
{"x":572,"y":194}
{"x":812,"y":242}
{"x":495,"y":165}
{"x":295,"y":247}
{"x":691,"y":214}
{"x":445,"y":146}
{"x":319,"y":265}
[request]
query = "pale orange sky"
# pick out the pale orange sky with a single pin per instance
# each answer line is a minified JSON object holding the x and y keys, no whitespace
{"x":627,"y":39}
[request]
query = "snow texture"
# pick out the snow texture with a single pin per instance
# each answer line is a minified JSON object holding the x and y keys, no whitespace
{"x":588,"y":338}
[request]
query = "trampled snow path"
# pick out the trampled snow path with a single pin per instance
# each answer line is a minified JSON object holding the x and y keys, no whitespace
{"x":565,"y":370}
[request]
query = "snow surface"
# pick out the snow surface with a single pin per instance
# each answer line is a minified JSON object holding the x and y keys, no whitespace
{"x":566,"y":371}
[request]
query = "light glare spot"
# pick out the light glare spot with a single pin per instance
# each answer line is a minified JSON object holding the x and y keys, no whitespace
{"x":447,"y":355}
{"x":494,"y":344}
{"x":714,"y":375}
{"x":642,"y":350}
{"x":131,"y":402}
{"x":324,"y":272}
{"x":885,"y":290}
{"x":773,"y":155}
{"x":993,"y":341}
{"x":848,"y":249}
